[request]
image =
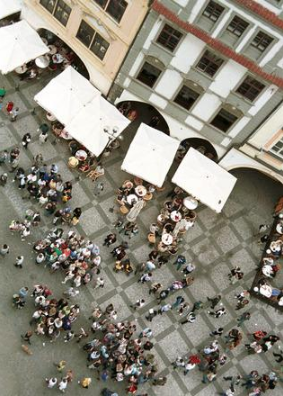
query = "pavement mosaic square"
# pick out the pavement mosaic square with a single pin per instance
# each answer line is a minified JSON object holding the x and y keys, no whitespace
{"x":215,"y":245}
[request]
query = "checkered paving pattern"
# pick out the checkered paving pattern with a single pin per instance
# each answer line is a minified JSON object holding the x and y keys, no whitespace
{"x":215,"y":244}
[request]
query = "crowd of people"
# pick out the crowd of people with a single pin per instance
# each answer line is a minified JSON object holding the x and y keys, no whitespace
{"x":117,"y":350}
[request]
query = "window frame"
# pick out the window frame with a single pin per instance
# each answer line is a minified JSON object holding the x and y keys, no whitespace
{"x":55,"y":9}
{"x":233,"y":32}
{"x":162,"y":44}
{"x":210,"y":17}
{"x":106,"y":6}
{"x":224,"y":108}
{"x":278,"y":153}
{"x":198,"y":91}
{"x":249,"y":76}
{"x":203,"y":71}
{"x":92,"y":40}
{"x":257,"y":46}
{"x":146,"y":61}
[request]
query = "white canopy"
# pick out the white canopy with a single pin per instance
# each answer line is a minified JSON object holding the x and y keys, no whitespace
{"x":89,"y":124}
{"x":204,"y":180}
{"x":9,"y":7}
{"x":150,"y":155}
{"x":19,"y":43}
{"x":65,"y":95}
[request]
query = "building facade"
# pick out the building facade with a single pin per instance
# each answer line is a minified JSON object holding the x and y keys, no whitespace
{"x":100,"y":32}
{"x":213,"y":69}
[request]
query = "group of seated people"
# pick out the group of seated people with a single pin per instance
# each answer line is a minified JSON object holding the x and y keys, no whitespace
{"x":270,"y":264}
{"x":174,"y":220}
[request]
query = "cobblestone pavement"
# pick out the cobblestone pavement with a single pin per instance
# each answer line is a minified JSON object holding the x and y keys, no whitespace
{"x":215,"y":245}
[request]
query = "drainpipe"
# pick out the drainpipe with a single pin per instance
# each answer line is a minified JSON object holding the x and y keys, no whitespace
{"x":130,"y":46}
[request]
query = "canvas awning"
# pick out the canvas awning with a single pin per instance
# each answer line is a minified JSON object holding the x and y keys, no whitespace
{"x":94,"y":124}
{"x":65,"y":95}
{"x":9,"y":7}
{"x":150,"y":155}
{"x":204,"y":180}
{"x":19,"y":44}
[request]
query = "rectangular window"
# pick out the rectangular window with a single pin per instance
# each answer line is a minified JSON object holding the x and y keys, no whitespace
{"x":237,"y":26}
{"x":209,"y":63}
{"x":148,"y":74}
{"x":223,"y":120}
{"x":186,"y":97}
{"x":99,"y":46}
{"x":278,"y":147}
{"x":213,"y":11}
{"x":92,"y":40}
{"x":169,"y":38}
{"x":62,"y":12}
{"x":250,"y":88}
{"x":59,"y":9}
{"x":115,"y":8}
{"x":261,"y":41}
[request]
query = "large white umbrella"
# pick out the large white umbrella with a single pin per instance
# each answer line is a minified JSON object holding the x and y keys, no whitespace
{"x":65,"y":95}
{"x":19,"y":44}
{"x":204,"y":180}
{"x":96,"y":124}
{"x":9,"y":7}
{"x":150,"y":155}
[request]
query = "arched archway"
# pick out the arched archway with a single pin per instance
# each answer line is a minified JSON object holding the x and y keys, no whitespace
{"x":51,"y":38}
{"x":264,"y":171}
{"x":139,"y":112}
{"x":202,"y":145}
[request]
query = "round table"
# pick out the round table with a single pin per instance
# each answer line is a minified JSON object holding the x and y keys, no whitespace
{"x":167,"y":239}
{"x":81,"y":155}
{"x":42,"y":61}
{"x":52,"y":49}
{"x":21,"y":69}
{"x":140,"y":191}
{"x":132,"y":199}
{"x":175,"y":216}
{"x":190,"y":203}
{"x":57,"y":58}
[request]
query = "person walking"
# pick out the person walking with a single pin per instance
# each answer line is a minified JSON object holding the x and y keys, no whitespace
{"x":218,"y":313}
{"x":26,"y":140}
{"x":164,"y":308}
{"x":85,"y":382}
{"x":179,"y":300}
{"x":214,"y":301}
{"x":63,"y":385}
{"x":181,"y":260}
{"x":110,"y":239}
{"x":61,"y":365}
{"x":138,"y":304}
{"x":243,"y":318}
{"x":151,"y":314}
{"x":190,"y":318}
{"x":217,"y":332}
{"x":145,"y":277}
{"x":51,"y":382}
{"x":14,"y":114}
{"x":19,"y":261}
{"x":5,"y":249}
{"x":27,"y":336}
